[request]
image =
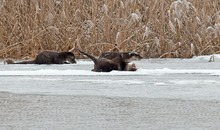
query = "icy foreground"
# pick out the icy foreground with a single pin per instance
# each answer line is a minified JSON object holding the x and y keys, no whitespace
{"x":195,"y":78}
{"x":171,"y":94}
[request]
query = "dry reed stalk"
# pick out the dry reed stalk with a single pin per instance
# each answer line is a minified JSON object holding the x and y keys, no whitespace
{"x":184,"y":28}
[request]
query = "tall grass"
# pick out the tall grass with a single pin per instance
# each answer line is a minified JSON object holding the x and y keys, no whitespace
{"x":154,"y":28}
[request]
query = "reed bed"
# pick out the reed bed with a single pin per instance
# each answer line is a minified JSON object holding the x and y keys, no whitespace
{"x":154,"y":28}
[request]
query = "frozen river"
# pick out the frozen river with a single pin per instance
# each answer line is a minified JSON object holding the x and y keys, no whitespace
{"x":156,"y":78}
{"x":161,"y":94}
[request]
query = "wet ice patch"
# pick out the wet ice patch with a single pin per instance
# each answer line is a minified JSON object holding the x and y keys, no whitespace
{"x":194,"y":82}
{"x":125,"y":82}
{"x":40,"y":79}
{"x":178,"y":71}
{"x":160,"y":84}
{"x":163,"y":71}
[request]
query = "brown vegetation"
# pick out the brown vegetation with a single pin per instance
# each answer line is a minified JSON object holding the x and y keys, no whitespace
{"x":154,"y":28}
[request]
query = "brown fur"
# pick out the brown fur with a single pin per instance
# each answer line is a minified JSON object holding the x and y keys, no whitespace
{"x":112,"y":62}
{"x":101,"y":64}
{"x":123,"y":58}
{"x":48,"y":57}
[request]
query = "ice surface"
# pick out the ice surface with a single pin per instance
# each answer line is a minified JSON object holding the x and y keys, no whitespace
{"x":194,"y":79}
{"x":47,"y":72}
